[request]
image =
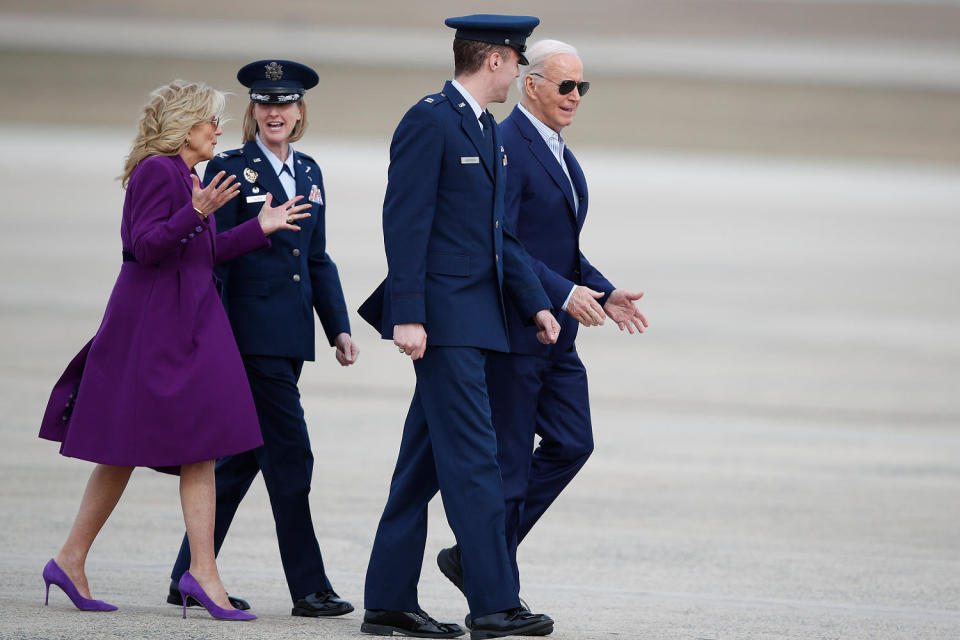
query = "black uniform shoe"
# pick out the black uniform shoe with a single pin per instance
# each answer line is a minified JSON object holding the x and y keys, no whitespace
{"x":174,"y":597}
{"x":513,"y":622}
{"x":407,"y":623}
{"x":523,"y":605}
{"x":449,"y":562}
{"x":321,"y":604}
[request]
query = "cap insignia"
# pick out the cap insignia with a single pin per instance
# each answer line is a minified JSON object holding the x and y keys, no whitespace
{"x":274,"y":71}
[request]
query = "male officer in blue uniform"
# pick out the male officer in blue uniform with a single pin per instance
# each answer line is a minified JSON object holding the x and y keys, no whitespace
{"x":541,"y":390}
{"x":450,"y":260}
{"x":278,"y":287}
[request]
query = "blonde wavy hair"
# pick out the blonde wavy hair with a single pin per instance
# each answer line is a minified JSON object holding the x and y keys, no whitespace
{"x":250,"y":123}
{"x":167,"y":119}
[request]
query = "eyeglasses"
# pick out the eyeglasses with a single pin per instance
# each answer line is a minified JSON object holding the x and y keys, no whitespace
{"x":568,"y":85}
{"x":215,"y":121}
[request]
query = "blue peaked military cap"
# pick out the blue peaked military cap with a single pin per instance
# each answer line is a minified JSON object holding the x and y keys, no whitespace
{"x":277,"y":81}
{"x":511,"y":31}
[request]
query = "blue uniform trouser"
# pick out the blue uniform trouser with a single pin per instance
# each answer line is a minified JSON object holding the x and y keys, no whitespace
{"x":537,"y":396}
{"x":448,"y":444}
{"x":287,"y":465}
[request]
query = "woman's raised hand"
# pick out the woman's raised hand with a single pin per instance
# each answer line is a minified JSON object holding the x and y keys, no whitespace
{"x":282,"y":216}
{"x":208,"y":199}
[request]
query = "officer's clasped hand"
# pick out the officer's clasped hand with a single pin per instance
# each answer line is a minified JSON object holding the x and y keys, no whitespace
{"x":548,"y":325}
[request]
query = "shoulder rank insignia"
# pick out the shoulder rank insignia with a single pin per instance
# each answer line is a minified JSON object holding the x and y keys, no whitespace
{"x":428,"y":99}
{"x":462,"y":105}
{"x":250,"y":175}
{"x":221,"y":155}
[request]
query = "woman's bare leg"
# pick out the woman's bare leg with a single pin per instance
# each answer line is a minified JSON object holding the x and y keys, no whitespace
{"x":198,"y":495}
{"x":104,"y":488}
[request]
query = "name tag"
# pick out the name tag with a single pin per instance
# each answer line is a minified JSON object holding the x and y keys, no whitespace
{"x":469,"y":159}
{"x":262,"y":198}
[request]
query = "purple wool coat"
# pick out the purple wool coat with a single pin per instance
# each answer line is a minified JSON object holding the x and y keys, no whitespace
{"x":161,"y":384}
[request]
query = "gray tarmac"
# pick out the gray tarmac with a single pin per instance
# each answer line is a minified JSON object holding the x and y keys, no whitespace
{"x":775,"y":458}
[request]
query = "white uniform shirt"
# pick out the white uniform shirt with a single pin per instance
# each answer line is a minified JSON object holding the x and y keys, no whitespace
{"x":287,"y":180}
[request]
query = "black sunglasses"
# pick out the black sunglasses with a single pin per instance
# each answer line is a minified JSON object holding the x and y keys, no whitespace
{"x":568,"y":85}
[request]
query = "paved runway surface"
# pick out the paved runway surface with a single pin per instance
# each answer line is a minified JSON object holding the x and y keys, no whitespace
{"x":776,"y":457}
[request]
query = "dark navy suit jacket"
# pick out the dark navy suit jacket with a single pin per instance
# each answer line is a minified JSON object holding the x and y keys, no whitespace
{"x":270,"y":295}
{"x":449,"y":256}
{"x":541,"y":211}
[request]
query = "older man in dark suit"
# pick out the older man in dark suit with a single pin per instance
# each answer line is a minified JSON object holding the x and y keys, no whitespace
{"x":536,"y":389}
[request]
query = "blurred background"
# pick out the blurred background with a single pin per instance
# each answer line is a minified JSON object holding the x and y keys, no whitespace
{"x":776,"y":458}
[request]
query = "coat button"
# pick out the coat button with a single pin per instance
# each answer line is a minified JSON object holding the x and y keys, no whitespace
{"x":496,"y":257}
{"x":191,"y":235}
{"x":198,"y":229}
{"x":496,"y":225}
{"x":183,"y":241}
{"x":296,"y":253}
{"x":296,"y":277}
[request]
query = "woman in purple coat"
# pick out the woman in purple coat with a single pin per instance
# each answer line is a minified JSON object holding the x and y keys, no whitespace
{"x":161,"y":384}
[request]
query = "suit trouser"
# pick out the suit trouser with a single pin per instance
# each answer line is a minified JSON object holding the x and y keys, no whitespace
{"x":287,"y":465}
{"x":537,"y":396}
{"x":448,"y":444}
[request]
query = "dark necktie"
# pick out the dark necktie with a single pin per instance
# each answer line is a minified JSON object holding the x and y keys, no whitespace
{"x":286,"y":168}
{"x":487,"y":122}
{"x":487,"y":128}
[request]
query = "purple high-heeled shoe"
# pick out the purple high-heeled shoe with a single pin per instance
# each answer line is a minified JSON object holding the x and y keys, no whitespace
{"x":189,"y":587}
{"x":53,"y":574}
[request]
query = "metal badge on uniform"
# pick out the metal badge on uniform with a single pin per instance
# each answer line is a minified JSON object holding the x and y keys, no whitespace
{"x":256,"y":189}
{"x":469,"y":159}
{"x":250,"y":175}
{"x":262,"y":198}
{"x":504,"y":159}
{"x":315,"y":195}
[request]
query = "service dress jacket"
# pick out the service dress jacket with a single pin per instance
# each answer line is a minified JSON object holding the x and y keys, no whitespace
{"x":540,"y":209}
{"x":271,"y":295}
{"x":449,"y":255}
{"x":161,"y":384}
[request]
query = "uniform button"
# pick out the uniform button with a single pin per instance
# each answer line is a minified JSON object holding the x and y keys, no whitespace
{"x":183,"y":241}
{"x":191,"y":235}
{"x":496,"y":225}
{"x":296,"y":277}
{"x":198,"y":229}
{"x":296,"y":253}
{"x":496,"y":257}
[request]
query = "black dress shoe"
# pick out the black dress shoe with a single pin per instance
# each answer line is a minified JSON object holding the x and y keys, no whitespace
{"x":523,"y":605}
{"x":407,"y":623}
{"x":174,"y":597}
{"x":321,"y":604}
{"x":449,"y":562}
{"x":513,"y":622}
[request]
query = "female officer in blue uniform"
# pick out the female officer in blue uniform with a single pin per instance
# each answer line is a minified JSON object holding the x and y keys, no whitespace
{"x":279,"y":287}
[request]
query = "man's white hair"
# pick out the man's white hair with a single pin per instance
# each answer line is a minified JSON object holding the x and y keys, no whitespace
{"x":537,"y":55}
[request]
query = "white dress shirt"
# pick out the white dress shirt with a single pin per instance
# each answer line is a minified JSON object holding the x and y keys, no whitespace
{"x":556,"y":145}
